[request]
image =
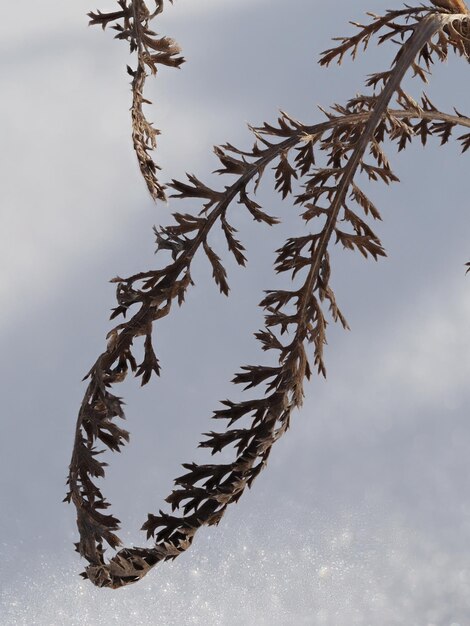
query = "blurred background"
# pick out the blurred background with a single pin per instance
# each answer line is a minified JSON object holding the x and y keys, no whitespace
{"x":362,"y":516}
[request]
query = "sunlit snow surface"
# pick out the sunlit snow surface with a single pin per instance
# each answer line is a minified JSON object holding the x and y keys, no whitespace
{"x":332,"y":575}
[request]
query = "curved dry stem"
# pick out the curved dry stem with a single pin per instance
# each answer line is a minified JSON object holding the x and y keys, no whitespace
{"x":205,"y":491}
{"x":88,"y":547}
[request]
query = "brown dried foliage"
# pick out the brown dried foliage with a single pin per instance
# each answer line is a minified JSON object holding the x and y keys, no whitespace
{"x":132,"y":24}
{"x":316,"y":165}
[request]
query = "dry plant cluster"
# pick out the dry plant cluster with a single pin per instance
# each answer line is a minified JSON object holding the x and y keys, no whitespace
{"x":324,"y":160}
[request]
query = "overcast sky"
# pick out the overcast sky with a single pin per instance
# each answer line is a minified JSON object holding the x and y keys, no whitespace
{"x":363,"y":514}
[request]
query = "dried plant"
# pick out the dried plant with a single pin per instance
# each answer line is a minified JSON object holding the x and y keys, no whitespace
{"x":131,"y":23}
{"x":316,"y":165}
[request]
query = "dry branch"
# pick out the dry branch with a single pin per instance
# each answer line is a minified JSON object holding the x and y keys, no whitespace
{"x":317,"y":166}
{"x":132,"y":24}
